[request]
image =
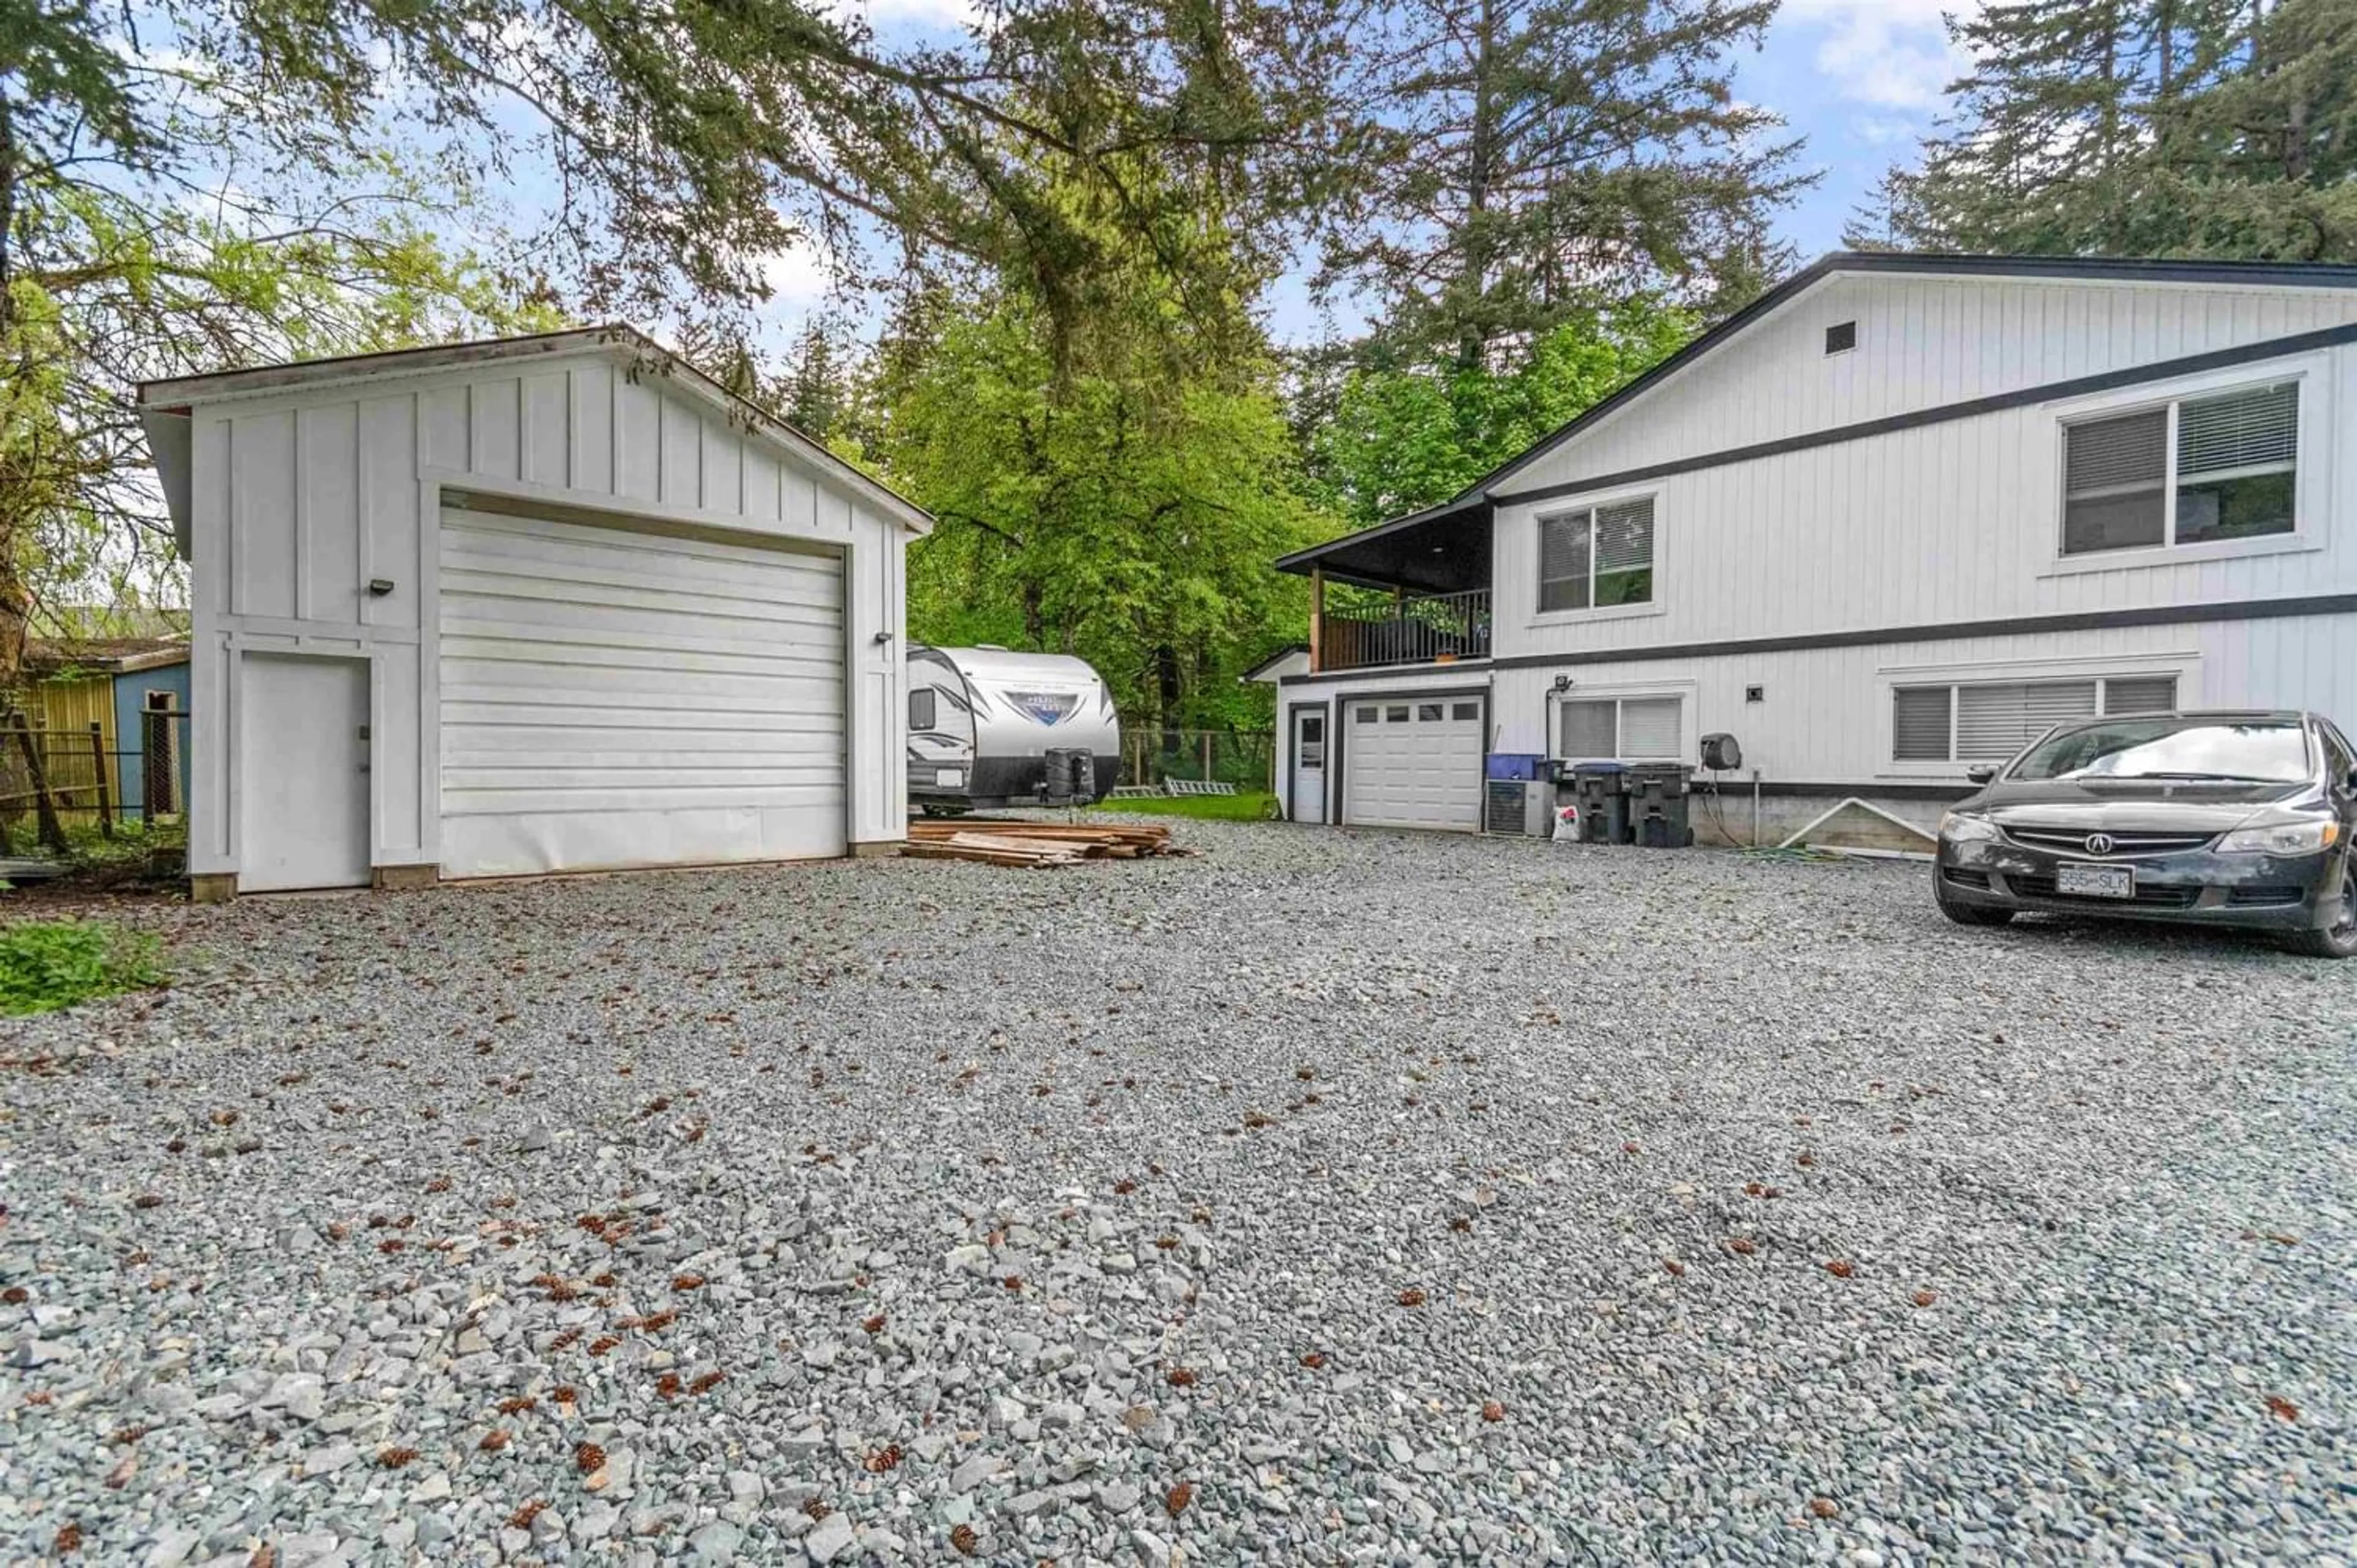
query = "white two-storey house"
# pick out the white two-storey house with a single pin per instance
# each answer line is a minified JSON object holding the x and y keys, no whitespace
{"x":1894,"y":519}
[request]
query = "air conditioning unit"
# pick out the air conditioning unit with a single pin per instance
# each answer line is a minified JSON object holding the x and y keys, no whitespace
{"x":1517,"y":808}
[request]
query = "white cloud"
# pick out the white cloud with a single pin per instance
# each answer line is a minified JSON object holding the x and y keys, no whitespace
{"x":1883,"y":130}
{"x":926,"y":14}
{"x":1893,"y":53}
{"x":800,"y":274}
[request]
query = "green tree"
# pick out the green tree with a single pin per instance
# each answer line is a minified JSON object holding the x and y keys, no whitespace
{"x":2260,"y":159}
{"x":1111,"y":512}
{"x":689,"y":144}
{"x":2142,"y":127}
{"x":1400,"y":439}
{"x":1531,"y":158}
{"x":817,"y":395}
{"x":127,"y":254}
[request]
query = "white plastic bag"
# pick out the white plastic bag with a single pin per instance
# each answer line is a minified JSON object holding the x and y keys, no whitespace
{"x":1566,"y":823}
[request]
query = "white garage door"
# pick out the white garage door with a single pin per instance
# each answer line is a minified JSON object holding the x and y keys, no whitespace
{"x":613,"y":697}
{"x":1413,"y":763}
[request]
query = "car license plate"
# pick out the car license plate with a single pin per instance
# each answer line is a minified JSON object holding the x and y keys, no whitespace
{"x":949,"y":779}
{"x":2095,"y":881}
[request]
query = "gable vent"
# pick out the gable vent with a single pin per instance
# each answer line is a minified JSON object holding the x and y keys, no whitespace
{"x":1841,"y":338}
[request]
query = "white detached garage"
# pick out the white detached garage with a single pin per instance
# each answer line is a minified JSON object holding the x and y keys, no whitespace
{"x":543,"y":604}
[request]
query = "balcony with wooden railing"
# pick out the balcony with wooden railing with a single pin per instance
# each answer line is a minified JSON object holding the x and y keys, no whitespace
{"x":1428,"y":628}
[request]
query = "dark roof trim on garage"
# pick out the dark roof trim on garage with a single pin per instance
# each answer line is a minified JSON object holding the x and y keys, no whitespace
{"x":2078,"y":620}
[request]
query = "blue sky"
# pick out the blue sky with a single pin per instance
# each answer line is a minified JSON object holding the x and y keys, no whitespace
{"x":1862,"y":80}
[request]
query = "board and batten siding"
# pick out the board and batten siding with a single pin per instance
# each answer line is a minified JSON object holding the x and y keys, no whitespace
{"x":1824,"y":716}
{"x":1923,"y":342}
{"x":1939,"y":523}
{"x":1851,"y":562}
{"x":1825,"y":713}
{"x":299,"y":499}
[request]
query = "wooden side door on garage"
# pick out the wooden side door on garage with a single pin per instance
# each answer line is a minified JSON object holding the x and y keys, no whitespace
{"x":614,"y":696}
{"x":1414,"y":761}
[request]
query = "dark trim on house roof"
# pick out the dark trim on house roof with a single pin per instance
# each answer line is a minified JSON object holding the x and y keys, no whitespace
{"x":2076,"y":620}
{"x":2122,"y":269}
{"x":1302,"y":560}
{"x":1995,"y":403}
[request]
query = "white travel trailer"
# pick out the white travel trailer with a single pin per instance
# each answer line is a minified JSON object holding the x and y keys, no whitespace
{"x":988,"y":727}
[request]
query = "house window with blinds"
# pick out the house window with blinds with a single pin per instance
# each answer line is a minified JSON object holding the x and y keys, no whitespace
{"x":1622,"y":729}
{"x":2193,"y":471}
{"x":1597,"y":557}
{"x":1989,"y":721}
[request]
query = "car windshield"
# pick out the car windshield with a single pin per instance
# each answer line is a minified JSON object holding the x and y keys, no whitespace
{"x":2272,"y":751}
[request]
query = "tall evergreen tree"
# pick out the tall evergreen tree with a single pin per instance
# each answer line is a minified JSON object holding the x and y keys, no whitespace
{"x":2141,"y":127}
{"x":2261,"y":158}
{"x":1535,"y":156}
{"x":817,"y":393}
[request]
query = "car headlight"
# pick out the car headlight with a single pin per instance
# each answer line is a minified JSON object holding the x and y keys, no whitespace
{"x":2304,"y":837}
{"x":1963,"y":827}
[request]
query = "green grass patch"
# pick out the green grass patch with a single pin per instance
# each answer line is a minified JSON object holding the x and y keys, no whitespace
{"x":1244,"y":806}
{"x":48,"y":964}
{"x":134,"y":839}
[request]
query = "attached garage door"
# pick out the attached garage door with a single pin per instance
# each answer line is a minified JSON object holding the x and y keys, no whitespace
{"x":613,"y":697}
{"x":1413,"y":763}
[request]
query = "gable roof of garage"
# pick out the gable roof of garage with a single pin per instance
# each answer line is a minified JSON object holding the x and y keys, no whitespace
{"x":164,"y":404}
{"x":1472,"y":503}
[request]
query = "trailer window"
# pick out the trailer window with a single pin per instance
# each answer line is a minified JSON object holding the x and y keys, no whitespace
{"x":921,"y":709}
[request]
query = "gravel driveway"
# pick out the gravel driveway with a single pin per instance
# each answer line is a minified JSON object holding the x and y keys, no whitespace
{"x":1321,"y":1198}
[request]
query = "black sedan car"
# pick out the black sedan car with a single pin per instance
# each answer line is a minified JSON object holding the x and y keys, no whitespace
{"x":2225,"y":819}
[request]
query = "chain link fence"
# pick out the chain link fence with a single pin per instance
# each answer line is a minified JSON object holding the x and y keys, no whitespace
{"x":57,"y":782}
{"x":1243,"y":758}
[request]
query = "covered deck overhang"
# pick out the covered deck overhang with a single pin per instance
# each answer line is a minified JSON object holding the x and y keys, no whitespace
{"x":1443,"y":549}
{"x":1435,"y":564}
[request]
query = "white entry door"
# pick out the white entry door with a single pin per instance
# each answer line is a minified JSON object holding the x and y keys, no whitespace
{"x":613,"y":697}
{"x":1309,"y":796}
{"x":1413,"y":762}
{"x":303,"y":730}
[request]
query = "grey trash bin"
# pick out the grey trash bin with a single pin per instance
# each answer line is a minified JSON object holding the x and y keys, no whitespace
{"x":1657,"y":799}
{"x":1601,"y":790}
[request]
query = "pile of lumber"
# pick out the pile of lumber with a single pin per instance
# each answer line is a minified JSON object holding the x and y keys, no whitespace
{"x":997,"y":841}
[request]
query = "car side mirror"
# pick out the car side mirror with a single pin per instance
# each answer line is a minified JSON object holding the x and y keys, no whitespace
{"x":1981,"y":772}
{"x":2352,"y":780}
